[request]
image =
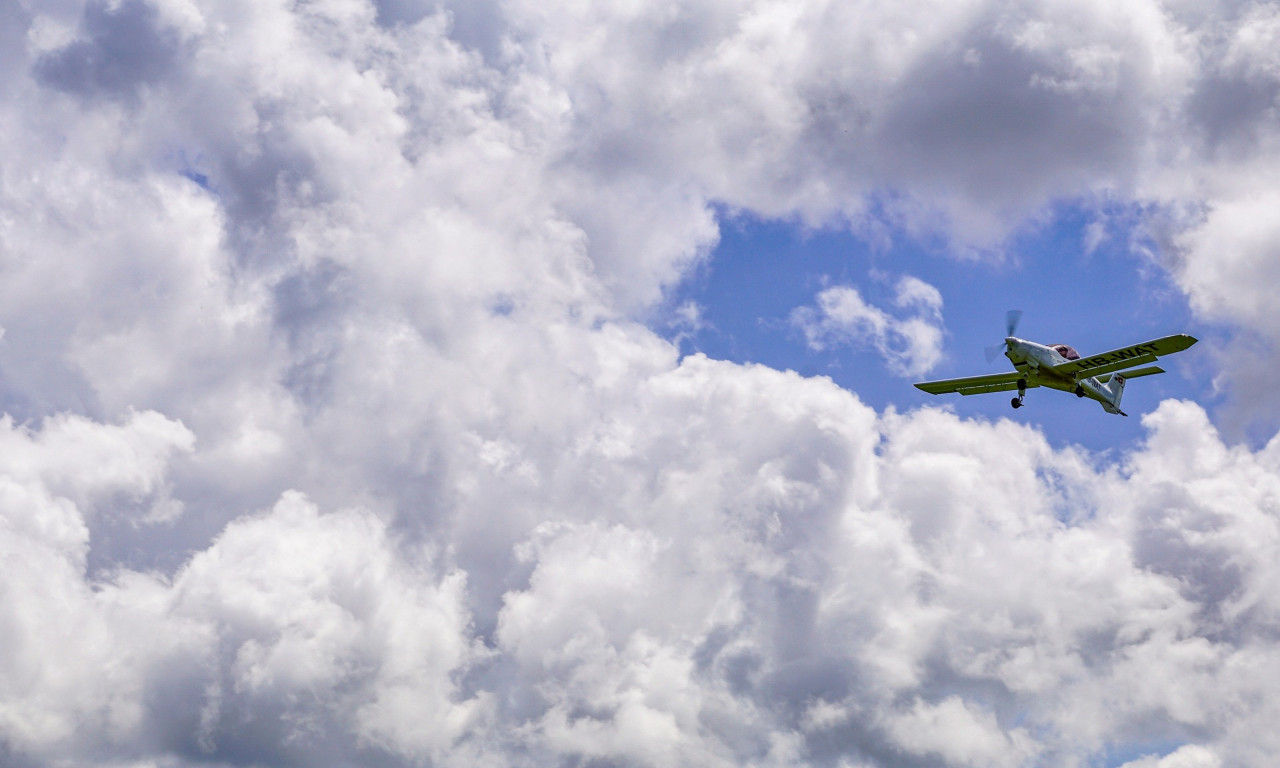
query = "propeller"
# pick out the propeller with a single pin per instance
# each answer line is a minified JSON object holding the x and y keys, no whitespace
{"x":1011,"y":320}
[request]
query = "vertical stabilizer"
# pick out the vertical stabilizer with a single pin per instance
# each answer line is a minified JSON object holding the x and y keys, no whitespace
{"x":1114,"y":390}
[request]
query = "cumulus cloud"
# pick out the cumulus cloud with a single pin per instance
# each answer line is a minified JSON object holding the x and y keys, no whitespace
{"x":910,"y":345}
{"x":847,"y":587}
{"x":1189,"y":756}
{"x":332,"y":438}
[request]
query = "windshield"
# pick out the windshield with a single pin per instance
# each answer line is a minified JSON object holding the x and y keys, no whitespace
{"x":1066,"y":351}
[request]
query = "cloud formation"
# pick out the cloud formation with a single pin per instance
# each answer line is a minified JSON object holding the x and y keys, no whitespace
{"x":910,"y":346}
{"x":332,"y":437}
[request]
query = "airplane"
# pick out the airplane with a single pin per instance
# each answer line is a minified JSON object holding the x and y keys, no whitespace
{"x":1058,"y":366}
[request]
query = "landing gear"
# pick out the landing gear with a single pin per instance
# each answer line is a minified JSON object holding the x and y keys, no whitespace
{"x":1022,"y":392}
{"x":1079,"y":391}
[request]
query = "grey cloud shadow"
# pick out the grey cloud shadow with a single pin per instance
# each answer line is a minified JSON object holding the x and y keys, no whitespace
{"x":478,"y":25}
{"x":123,"y":49}
{"x":990,"y":130}
{"x":1230,"y":113}
{"x":14,"y":23}
{"x":309,"y":305}
{"x":1207,"y":574}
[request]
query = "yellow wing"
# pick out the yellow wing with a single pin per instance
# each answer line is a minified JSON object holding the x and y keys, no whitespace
{"x":1126,"y":357}
{"x":974,"y":385}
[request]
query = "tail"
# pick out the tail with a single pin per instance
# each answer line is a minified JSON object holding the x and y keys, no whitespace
{"x":1114,"y":389}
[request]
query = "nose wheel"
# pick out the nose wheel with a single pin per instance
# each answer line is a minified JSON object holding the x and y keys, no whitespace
{"x":1022,"y":392}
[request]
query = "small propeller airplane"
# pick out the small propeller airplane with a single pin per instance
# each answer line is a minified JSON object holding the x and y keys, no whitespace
{"x":1058,"y":366}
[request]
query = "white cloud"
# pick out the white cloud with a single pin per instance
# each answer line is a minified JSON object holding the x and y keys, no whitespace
{"x":1187,"y":756}
{"x":67,"y":676}
{"x":954,"y":731}
{"x":707,"y":572}
{"x":1238,"y":245}
{"x":332,"y":439}
{"x":323,"y":627}
{"x":910,"y":345}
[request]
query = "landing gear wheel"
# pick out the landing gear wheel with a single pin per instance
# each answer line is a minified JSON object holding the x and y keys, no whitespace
{"x":1079,"y":391}
{"x":1022,"y":392}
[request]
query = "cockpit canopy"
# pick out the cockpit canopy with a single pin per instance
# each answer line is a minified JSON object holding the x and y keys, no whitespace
{"x":1066,"y":351}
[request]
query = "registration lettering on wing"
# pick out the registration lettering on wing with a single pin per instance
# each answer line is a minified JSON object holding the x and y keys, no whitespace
{"x":1118,"y":356}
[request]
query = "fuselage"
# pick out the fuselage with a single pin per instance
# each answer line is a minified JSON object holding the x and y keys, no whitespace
{"x":1037,"y":361}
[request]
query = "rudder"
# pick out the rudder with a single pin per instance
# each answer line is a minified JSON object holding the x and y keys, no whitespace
{"x":1115,"y":390}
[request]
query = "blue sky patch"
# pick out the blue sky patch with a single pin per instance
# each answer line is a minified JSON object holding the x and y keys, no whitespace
{"x":1082,"y":278}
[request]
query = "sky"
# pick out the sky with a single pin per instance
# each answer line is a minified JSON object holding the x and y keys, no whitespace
{"x":402,"y":383}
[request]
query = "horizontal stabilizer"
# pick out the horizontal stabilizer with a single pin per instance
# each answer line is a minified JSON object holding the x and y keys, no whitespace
{"x":1149,"y":371}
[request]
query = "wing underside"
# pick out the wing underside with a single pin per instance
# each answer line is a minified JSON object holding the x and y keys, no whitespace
{"x":974,"y":385}
{"x":1127,"y":357}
